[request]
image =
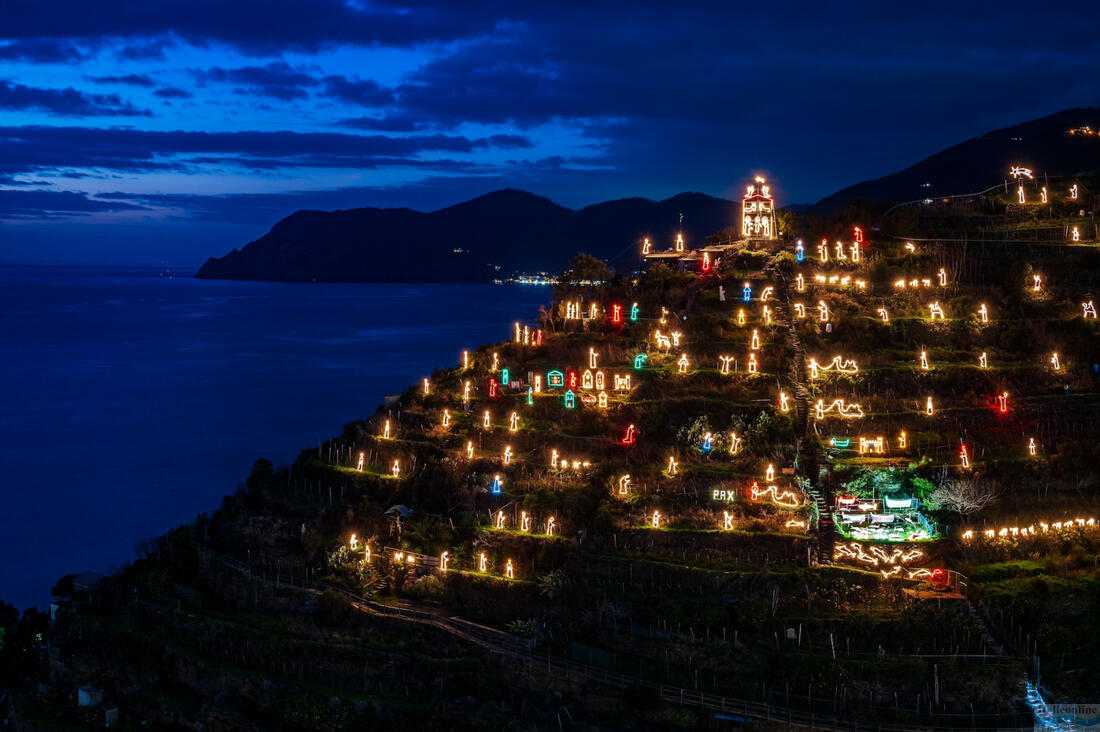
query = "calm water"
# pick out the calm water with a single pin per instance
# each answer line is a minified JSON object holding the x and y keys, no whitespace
{"x":132,"y":401}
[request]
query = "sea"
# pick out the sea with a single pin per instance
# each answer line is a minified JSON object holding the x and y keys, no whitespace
{"x":136,"y":398}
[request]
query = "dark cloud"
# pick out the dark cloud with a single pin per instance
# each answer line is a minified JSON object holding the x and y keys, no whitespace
{"x":34,"y":204}
{"x":41,"y":148}
{"x":40,"y":50}
{"x":254,"y":26}
{"x":65,"y":102}
{"x":149,"y":50}
{"x":129,"y":79}
{"x":510,"y":142}
{"x":363,"y":92}
{"x":172,"y":92}
{"x":277,"y":79}
{"x":388,"y":123}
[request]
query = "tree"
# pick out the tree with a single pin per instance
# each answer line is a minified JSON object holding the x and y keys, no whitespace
{"x":585,"y":268}
{"x":964,"y":496}
{"x":263,"y":472}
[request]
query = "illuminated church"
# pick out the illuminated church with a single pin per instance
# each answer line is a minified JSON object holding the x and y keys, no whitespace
{"x":758,"y":228}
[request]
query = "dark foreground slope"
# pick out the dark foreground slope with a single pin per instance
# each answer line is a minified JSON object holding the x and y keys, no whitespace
{"x":488,"y":237}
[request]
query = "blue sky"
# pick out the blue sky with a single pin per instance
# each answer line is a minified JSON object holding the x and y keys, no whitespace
{"x":172,"y":131}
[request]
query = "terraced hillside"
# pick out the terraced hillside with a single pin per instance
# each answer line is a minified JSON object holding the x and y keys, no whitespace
{"x":825,"y":481}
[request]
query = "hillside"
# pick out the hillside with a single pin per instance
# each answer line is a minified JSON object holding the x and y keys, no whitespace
{"x":846,"y":483}
{"x":1042,"y":145}
{"x":489,"y":237}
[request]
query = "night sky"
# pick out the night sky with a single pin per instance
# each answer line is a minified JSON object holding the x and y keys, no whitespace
{"x":165,"y":132}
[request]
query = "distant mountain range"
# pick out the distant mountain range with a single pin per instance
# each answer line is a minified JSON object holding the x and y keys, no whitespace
{"x":511,"y":231}
{"x":491,"y":236}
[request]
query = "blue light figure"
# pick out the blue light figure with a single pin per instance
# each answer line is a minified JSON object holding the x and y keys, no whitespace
{"x":496,"y":489}
{"x":504,"y":377}
{"x":570,"y":399}
{"x":634,"y":313}
{"x":800,"y":253}
{"x":746,"y":293}
{"x":639,"y":361}
{"x":530,"y":396}
{"x":708,"y":443}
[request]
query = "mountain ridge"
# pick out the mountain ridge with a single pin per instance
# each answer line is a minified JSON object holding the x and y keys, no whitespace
{"x":512,"y":231}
